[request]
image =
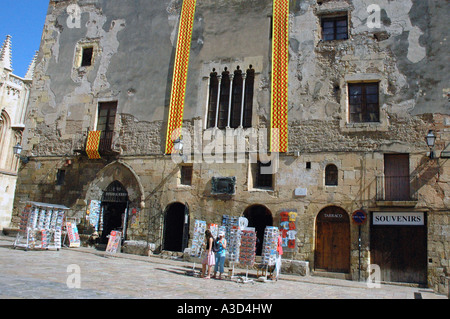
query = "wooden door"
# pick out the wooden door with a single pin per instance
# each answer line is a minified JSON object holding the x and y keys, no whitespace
{"x":401,"y":253}
{"x":396,"y":175}
{"x":333,"y":240}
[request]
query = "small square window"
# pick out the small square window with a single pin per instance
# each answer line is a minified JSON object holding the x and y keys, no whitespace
{"x":261,"y":179}
{"x":334,"y":28}
{"x":86,"y":59}
{"x":186,"y":175}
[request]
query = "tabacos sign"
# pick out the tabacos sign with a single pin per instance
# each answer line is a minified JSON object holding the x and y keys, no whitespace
{"x":398,"y":218}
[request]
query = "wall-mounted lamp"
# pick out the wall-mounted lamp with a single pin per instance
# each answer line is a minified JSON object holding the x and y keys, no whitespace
{"x":17,"y":151}
{"x":178,"y":144}
{"x":431,"y":139}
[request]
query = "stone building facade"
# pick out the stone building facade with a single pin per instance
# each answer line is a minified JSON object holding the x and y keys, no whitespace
{"x":366,"y":85}
{"x":14,"y":92}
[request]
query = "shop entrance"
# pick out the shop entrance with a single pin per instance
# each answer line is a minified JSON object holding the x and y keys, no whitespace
{"x":332,"y":251}
{"x":176,"y":227}
{"x":398,"y":244}
{"x":259,"y":217}
{"x":114,"y":208}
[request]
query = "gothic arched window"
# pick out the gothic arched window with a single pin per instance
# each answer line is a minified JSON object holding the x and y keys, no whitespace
{"x":230,"y":101}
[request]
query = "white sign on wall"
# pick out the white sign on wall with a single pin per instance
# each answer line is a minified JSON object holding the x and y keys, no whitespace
{"x":398,"y":218}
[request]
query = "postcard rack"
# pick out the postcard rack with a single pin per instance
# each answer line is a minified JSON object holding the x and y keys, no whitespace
{"x":40,"y":226}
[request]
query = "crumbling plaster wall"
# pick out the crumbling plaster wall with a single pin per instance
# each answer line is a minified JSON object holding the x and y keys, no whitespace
{"x":409,"y":58}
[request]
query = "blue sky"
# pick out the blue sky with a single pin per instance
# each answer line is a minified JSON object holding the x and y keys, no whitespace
{"x":24,"y":21}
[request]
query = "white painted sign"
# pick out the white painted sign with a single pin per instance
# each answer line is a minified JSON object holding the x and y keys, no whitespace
{"x":300,"y":191}
{"x":398,"y":218}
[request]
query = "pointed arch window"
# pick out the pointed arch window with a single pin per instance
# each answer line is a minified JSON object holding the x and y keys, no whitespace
{"x":230,"y":100}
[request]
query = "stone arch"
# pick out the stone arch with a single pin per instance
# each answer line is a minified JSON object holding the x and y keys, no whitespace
{"x":115,"y":173}
{"x":121,"y":172}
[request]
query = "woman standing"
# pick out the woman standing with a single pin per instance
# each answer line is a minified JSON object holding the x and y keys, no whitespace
{"x":220,"y":255}
{"x":208,"y":254}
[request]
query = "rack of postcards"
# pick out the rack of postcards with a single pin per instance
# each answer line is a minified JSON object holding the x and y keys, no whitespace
{"x":233,"y":244}
{"x":199,"y":238}
{"x":40,"y":226}
{"x":228,"y":222}
{"x":270,"y":243}
{"x":247,"y":249}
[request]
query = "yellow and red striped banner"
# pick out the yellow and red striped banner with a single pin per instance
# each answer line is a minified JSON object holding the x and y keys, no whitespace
{"x":92,"y":144}
{"x":280,"y":63}
{"x":177,"y":97}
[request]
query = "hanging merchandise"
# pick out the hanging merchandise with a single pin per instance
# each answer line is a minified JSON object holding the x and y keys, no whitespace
{"x":39,"y":224}
{"x":288,"y":228}
{"x":248,"y":247}
{"x":135,"y":215}
{"x":270,"y":243}
{"x":93,"y":213}
{"x":199,"y":237}
{"x":243,"y":222}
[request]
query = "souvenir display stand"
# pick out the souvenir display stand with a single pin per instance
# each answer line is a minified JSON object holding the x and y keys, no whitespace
{"x":197,"y":241}
{"x":40,"y":226}
{"x":269,"y":249}
{"x":114,"y":242}
{"x":233,"y":226}
{"x":227,"y":223}
{"x":247,"y":249}
{"x":72,"y":232}
{"x":233,"y":244}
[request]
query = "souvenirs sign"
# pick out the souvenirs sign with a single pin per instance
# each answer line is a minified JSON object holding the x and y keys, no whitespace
{"x":398,"y":218}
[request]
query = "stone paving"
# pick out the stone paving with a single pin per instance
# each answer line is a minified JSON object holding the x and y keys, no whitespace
{"x":45,"y":274}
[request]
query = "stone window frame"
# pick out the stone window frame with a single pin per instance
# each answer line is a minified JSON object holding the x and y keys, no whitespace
{"x":345,"y":124}
{"x":79,"y":49}
{"x":329,"y":181}
{"x":231,"y":65}
{"x":95,"y":116}
{"x":334,"y":18}
{"x":180,"y":175}
{"x":223,"y":102}
{"x":254,"y":164}
{"x":323,"y":166}
{"x":333,"y":10}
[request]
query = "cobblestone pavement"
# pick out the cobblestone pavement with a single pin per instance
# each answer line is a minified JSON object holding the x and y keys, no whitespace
{"x":45,"y":274}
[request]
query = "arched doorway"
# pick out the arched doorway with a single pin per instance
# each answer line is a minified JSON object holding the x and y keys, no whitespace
{"x":259,"y":216}
{"x":176,"y":227}
{"x":114,"y":206}
{"x":332,"y":251}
